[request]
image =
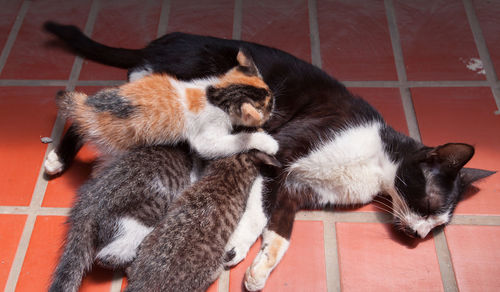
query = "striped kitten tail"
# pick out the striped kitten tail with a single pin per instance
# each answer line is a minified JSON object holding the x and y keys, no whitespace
{"x":78,"y":255}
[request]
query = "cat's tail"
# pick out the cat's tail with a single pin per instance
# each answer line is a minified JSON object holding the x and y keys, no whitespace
{"x":78,"y":254}
{"x":90,"y":49}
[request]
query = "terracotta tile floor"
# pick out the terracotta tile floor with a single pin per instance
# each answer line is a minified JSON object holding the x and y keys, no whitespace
{"x":430,"y":67}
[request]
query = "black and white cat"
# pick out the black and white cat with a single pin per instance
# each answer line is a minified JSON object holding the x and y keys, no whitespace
{"x":334,"y":147}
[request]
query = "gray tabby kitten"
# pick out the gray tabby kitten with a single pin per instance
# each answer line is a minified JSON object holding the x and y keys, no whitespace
{"x":185,"y":251}
{"x":116,"y":209}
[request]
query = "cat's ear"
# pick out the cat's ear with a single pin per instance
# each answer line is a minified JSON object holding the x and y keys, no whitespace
{"x":250,"y":116}
{"x":246,"y":63}
{"x":470,"y":175}
{"x":450,"y":157}
{"x":266,"y":159}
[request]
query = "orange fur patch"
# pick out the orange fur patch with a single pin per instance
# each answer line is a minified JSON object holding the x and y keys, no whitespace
{"x":236,"y":77}
{"x":195,"y":99}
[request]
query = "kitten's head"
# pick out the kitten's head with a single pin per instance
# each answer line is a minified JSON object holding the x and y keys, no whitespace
{"x":429,"y":184}
{"x":243,"y":94}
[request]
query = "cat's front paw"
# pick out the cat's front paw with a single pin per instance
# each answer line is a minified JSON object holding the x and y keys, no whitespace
{"x":234,"y":255}
{"x":53,"y":164}
{"x":265,"y":143}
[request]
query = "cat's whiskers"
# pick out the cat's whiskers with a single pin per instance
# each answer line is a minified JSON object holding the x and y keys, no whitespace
{"x":389,"y":209}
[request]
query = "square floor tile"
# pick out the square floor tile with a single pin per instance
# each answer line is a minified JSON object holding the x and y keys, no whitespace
{"x":114,"y":28}
{"x":283,"y":24}
{"x":11,"y":228}
{"x":33,"y":56}
{"x":464,"y":115}
{"x":43,"y":254}
{"x":213,"y":18}
{"x":487,"y":12}
{"x":437,"y":41}
{"x":475,"y":256}
{"x":373,"y":258}
{"x":8,"y":14}
{"x":355,"y":41}
{"x":388,"y":102}
{"x":26,"y":115}
{"x":301,"y":269}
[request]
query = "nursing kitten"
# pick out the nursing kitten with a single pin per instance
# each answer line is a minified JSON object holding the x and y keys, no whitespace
{"x":115,"y":210}
{"x":185,"y":250}
{"x":335,"y":148}
{"x":159,"y":109}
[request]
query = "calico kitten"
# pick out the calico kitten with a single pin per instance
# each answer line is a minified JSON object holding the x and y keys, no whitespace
{"x":159,"y":109}
{"x":335,"y":148}
{"x":184,"y":252}
{"x":115,"y":210}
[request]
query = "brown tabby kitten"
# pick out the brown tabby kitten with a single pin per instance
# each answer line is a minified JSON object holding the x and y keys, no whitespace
{"x":185,"y":250}
{"x":117,"y":208}
{"x":159,"y":109}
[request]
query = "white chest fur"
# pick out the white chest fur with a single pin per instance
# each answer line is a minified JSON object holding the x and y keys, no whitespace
{"x":351,"y":168}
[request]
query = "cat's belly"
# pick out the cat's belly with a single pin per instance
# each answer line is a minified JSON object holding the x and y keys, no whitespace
{"x":351,"y":168}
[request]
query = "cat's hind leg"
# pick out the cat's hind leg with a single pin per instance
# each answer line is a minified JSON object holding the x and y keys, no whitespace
{"x":60,"y":158}
{"x":249,"y":227}
{"x":275,"y":242}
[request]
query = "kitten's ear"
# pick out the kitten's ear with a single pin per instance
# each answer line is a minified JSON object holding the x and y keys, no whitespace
{"x":451,"y":157}
{"x":267,"y":159}
{"x":245,"y":61}
{"x":470,"y":175}
{"x":250,"y":116}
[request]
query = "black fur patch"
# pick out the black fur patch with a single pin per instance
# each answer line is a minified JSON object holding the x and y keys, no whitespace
{"x":111,"y":101}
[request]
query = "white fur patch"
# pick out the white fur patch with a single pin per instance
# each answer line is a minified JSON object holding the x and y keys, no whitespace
{"x":53,"y":165}
{"x":250,"y":225}
{"x":424,"y":225}
{"x":123,"y":248}
{"x":273,"y":249}
{"x":138,"y":74}
{"x":352,"y":168}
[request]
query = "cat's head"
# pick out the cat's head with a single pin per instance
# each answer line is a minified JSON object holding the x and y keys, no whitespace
{"x":243,"y":94}
{"x":429,"y":184}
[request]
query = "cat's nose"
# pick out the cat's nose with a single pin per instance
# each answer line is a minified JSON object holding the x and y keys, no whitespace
{"x":410,"y":232}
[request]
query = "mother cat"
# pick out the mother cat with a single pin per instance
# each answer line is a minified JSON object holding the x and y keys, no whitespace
{"x":335,"y":148}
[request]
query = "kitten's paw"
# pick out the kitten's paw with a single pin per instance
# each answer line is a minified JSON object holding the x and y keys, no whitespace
{"x":265,"y":143}
{"x":53,"y":165}
{"x":256,"y":277}
{"x":234,"y":255}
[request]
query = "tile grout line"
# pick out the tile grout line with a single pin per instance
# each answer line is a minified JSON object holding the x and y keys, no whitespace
{"x":312,"y":8}
{"x":332,"y":264}
{"x":117,"y":281}
{"x":41,"y":183}
{"x":483,"y":51}
{"x":13,"y":33}
{"x":237,"y":19}
{"x":411,"y":119}
{"x":360,"y":83}
{"x":338,"y":216}
{"x":29,"y":224}
{"x":445,"y":263}
{"x":163,"y":21}
{"x":442,"y":251}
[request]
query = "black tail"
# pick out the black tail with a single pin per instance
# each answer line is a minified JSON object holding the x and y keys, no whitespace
{"x":78,"y":255}
{"x":86,"y":47}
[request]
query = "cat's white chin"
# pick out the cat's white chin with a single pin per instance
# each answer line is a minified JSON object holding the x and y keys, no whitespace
{"x":53,"y":164}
